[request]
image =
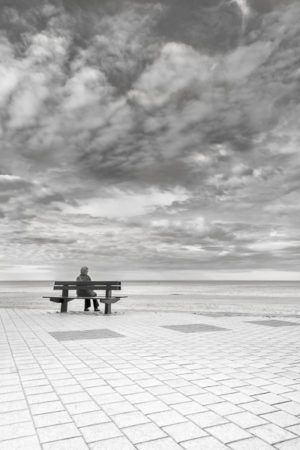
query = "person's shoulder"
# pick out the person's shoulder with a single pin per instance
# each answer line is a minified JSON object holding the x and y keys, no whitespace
{"x":78,"y":278}
{"x":88,"y":278}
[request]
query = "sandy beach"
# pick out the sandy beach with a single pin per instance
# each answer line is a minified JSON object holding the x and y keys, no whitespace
{"x":262,"y":298}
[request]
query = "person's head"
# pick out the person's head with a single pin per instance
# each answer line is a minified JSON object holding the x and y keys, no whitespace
{"x":84,"y":270}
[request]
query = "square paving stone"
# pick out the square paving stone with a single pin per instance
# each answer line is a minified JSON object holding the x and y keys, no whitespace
{"x":274,"y":323}
{"x":194,"y":328}
{"x":85,"y":334}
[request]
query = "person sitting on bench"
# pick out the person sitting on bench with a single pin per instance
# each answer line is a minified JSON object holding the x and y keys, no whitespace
{"x":87,"y":292}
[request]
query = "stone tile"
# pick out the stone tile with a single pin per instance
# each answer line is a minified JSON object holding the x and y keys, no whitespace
{"x":159,"y":444}
{"x":221,"y":390}
{"x":118,"y":408}
{"x":258,"y":407}
{"x":237,"y":398}
{"x":207,"y":419}
{"x":184,"y":431}
{"x":68,"y":389}
{"x":160,"y":390}
{"x":152,"y":407}
{"x":225,"y":408}
{"x":282,"y":418}
{"x":270,"y":398}
{"x":294,"y":395}
{"x":31,"y":390}
{"x":272,"y":433}
{"x":254,"y":390}
{"x":58,"y":383}
{"x":11,"y":396}
{"x":130,"y":418}
{"x":48,"y":407}
{"x":294,"y":429}
{"x":228,"y":432}
{"x":201,"y":382}
{"x":9,"y":379}
{"x":57,"y":432}
{"x":82,"y":407}
{"x":143,"y":433}
{"x":150,"y":382}
{"x":194,"y":328}
{"x":104,"y":399}
{"x":140,"y":397}
{"x":24,"y":443}
{"x":290,"y":407}
{"x":16,"y":430}
{"x":100,"y":432}
{"x":168,"y":417}
{"x":207,"y":399}
{"x":75,"y":397}
{"x":90,"y":418}
{"x":130,"y":389}
{"x":172,"y":399}
{"x":41,"y":398}
{"x":190,"y":390}
{"x":15,"y":417}
{"x":67,"y":444}
{"x":276,"y":388}
{"x":55,"y":418}
{"x":292,"y":444}
{"x":284,"y":381}
{"x":12,"y":406}
{"x":246,"y":419}
{"x":119,"y":443}
{"x":12,"y":388}
{"x":92,"y":382}
{"x":188,"y":408}
{"x":251,"y":444}
{"x":100,"y":390}
{"x":205,"y":443}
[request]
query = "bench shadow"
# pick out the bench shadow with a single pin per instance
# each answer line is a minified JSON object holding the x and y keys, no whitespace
{"x":88,"y":313}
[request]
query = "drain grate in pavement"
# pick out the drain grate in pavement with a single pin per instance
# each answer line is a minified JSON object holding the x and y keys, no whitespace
{"x":194,"y":328}
{"x":274,"y":323}
{"x":85,"y":334}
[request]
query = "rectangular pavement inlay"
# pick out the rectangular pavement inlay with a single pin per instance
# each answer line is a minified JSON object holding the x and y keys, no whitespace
{"x":85,"y":334}
{"x":194,"y":328}
{"x":273,"y":323}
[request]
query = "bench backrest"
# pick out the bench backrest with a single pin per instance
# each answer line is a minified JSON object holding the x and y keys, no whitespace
{"x":98,"y":285}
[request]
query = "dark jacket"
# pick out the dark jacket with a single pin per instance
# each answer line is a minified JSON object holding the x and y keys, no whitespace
{"x":85,"y":291}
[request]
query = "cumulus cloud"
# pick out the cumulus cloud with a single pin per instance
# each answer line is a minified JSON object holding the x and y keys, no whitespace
{"x":163,"y":134}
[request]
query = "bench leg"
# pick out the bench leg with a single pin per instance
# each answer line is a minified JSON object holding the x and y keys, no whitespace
{"x":64,"y":306}
{"x":107,"y":309}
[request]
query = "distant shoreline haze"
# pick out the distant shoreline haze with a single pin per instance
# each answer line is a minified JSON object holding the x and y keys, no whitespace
{"x":160,"y":281}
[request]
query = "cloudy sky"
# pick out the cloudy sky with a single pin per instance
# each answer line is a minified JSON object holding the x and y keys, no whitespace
{"x":150,"y":138}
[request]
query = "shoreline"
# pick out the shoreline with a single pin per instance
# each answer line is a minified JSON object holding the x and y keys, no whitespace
{"x":205,"y":308}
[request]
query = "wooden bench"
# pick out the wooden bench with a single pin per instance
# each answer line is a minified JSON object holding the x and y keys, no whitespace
{"x":66,"y":286}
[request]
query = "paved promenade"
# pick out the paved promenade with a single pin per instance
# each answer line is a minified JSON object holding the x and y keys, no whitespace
{"x":137,"y":380}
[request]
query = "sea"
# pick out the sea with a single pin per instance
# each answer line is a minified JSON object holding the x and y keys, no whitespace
{"x":189,"y":296}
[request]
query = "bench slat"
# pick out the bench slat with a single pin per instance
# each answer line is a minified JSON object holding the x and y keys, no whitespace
{"x":87,"y":283}
{"x":100,"y":287}
{"x":83,"y":298}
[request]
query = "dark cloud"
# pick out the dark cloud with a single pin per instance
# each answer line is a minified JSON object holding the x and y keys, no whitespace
{"x":163,"y":134}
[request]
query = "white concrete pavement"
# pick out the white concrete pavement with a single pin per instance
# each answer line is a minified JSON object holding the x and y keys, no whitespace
{"x":127,"y":382}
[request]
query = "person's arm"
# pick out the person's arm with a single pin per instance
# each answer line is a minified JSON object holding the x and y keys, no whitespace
{"x":78,"y":290}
